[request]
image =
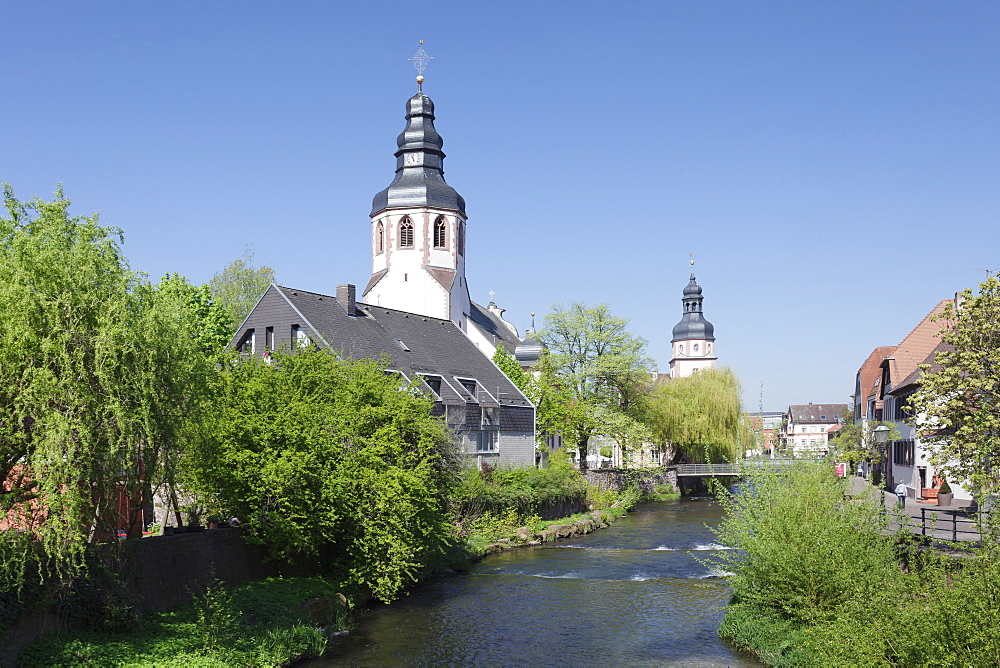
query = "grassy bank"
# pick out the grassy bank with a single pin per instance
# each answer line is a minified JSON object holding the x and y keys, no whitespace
{"x":271,"y":622}
{"x":280,"y":621}
{"x":818,"y":579}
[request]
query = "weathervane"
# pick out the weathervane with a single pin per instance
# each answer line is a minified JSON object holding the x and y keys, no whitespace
{"x":420,"y":60}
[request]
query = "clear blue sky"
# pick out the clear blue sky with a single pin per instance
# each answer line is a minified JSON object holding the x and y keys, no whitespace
{"x":833,"y":167}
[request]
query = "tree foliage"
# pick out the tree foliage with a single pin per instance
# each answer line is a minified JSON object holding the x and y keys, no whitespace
{"x":855,"y":442}
{"x":700,"y":416}
{"x":593,"y":370}
{"x":239,"y":285}
{"x":313,"y":450}
{"x":957,"y":407}
{"x":211,"y":322}
{"x":99,"y":381}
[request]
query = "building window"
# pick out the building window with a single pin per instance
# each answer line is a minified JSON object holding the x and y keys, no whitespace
{"x":469,"y":386}
{"x":696,"y":347}
{"x":456,"y":414}
{"x":489,"y":416}
{"x":379,"y":238}
{"x":434,"y":382}
{"x":405,"y":233}
{"x":249,"y":343}
{"x":269,"y":338}
{"x":486,"y":441}
{"x":440,"y":233}
{"x":300,"y":338}
{"x":654,"y":455}
{"x":461,"y":238}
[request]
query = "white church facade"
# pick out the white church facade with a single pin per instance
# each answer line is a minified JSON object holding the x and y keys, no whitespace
{"x":693,"y":341}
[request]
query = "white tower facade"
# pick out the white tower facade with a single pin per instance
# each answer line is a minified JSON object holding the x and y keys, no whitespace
{"x":418,"y":228}
{"x":693,"y":343}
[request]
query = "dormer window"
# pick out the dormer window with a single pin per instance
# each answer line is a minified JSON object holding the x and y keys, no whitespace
{"x":440,"y":233}
{"x":379,"y":238}
{"x":434,"y":383}
{"x":405,"y":233}
{"x":469,"y":386}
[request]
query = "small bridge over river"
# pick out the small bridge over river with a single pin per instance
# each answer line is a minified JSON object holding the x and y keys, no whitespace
{"x":737,"y":469}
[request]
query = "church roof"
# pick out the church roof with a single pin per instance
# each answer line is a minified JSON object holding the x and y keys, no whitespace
{"x":419,"y":179}
{"x":492,"y":326}
{"x":411,"y":343}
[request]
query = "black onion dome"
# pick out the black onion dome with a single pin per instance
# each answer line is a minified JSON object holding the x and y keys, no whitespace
{"x":419,"y":179}
{"x":693,"y":324}
{"x":529,"y":351}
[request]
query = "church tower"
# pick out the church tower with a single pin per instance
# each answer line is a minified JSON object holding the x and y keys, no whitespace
{"x":418,"y":225}
{"x":694,"y":337}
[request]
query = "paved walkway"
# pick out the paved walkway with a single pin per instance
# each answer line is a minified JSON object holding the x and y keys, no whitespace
{"x":950,"y":523}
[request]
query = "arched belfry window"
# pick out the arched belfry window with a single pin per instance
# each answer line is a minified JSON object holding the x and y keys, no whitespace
{"x":440,"y":233}
{"x":380,"y":238}
{"x":405,"y":233}
{"x":461,"y":238}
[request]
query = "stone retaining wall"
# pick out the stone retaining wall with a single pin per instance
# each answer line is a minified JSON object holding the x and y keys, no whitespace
{"x":648,"y":480}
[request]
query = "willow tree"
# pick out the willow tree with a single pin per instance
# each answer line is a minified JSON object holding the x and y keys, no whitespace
{"x":99,"y":378}
{"x":700,"y":416}
{"x":957,"y":408}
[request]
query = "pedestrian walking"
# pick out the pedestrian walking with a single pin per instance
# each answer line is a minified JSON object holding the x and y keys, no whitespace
{"x":901,"y":494}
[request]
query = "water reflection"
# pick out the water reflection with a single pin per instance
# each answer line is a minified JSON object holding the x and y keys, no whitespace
{"x":635,"y":593}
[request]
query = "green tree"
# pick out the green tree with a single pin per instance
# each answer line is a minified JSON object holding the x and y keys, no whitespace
{"x":593,"y":370}
{"x":512,"y":370}
{"x":310,"y":450}
{"x":855,"y":441}
{"x":238,"y":287}
{"x":100,"y":381}
{"x":700,"y":416}
{"x":211,"y":322}
{"x":957,"y":407}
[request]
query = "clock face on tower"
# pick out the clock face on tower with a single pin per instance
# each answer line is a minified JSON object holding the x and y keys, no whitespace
{"x":411,"y":159}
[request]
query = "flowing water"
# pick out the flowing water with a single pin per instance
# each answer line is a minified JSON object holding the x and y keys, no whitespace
{"x":635,"y":593}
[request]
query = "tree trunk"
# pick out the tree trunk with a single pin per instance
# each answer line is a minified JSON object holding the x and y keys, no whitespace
{"x":582,"y":447}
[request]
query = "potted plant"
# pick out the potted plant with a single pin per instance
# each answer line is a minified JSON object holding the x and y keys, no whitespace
{"x":944,"y":493}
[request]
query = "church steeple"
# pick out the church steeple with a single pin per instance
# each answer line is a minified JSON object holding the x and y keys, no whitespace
{"x":419,"y":179}
{"x":694,"y":336}
{"x":418,"y":224}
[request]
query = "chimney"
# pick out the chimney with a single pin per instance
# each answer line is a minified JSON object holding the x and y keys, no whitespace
{"x":345,"y":296}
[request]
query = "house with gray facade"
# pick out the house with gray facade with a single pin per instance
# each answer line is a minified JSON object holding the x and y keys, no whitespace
{"x":488,"y":415}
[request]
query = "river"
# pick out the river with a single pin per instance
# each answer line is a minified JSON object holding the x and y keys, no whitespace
{"x":634,"y":593}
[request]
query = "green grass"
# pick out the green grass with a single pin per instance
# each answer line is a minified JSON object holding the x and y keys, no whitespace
{"x":256,"y":624}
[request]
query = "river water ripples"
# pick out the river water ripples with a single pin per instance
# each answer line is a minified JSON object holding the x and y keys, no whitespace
{"x":636,"y":593}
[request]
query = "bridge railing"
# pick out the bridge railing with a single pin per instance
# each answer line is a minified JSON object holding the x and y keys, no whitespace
{"x":737,"y":468}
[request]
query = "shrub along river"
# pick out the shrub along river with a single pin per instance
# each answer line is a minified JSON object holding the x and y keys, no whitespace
{"x":637,"y":593}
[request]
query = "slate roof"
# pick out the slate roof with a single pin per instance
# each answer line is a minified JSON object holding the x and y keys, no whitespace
{"x":493,"y":326}
{"x":818,"y":413}
{"x":432,"y":345}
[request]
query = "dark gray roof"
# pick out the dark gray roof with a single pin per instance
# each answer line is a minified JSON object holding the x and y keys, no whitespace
{"x":693,"y":324}
{"x":819,"y":413}
{"x":493,"y":326}
{"x":529,"y":351}
{"x":419,"y":179}
{"x":413,"y":344}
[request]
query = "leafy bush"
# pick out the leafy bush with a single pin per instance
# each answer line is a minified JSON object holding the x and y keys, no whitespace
{"x":258,"y":624}
{"x":818,"y":581}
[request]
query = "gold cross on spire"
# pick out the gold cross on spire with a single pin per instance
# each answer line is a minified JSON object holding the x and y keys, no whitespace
{"x":420,"y":60}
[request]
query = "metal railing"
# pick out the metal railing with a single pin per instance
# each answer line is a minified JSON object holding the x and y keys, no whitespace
{"x":957,"y":526}
{"x":737,"y":469}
